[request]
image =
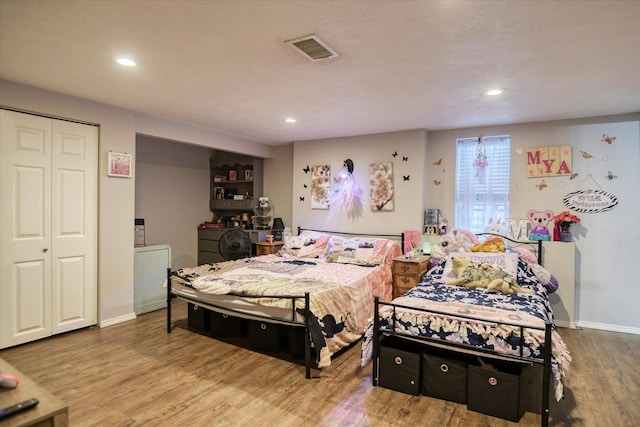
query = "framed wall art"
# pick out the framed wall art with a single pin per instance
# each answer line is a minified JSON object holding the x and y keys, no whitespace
{"x":119,"y":165}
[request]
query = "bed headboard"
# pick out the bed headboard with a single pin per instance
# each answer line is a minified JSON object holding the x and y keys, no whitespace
{"x":534,"y":246}
{"x":395,"y":237}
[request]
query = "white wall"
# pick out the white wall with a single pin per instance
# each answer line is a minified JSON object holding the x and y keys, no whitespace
{"x":172,"y":195}
{"x":606,"y":289}
{"x":364,"y":150}
{"x":118,"y":129}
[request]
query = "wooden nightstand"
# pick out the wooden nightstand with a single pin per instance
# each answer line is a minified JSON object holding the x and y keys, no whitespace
{"x":408,"y":272}
{"x":265,"y":248}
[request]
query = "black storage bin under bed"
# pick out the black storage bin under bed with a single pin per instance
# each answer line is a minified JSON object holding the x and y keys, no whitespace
{"x":444,"y":375}
{"x":223,"y":325}
{"x":198,"y":318}
{"x":399,"y":365}
{"x":266,"y":336}
{"x":496,"y":392}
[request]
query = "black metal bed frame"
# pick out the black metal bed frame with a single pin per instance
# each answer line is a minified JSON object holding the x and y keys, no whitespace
{"x":467,"y":348}
{"x":292,"y":322}
{"x":220,"y":309}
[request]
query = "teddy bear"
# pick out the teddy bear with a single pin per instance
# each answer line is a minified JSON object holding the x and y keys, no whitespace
{"x":539,"y":221}
{"x":472,"y":275}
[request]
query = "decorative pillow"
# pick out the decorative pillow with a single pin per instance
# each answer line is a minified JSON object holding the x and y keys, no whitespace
{"x":307,"y":246}
{"x":507,"y":262}
{"x":359,"y":251}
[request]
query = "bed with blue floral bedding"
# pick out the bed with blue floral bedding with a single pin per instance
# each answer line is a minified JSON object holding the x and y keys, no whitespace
{"x":508,"y":324}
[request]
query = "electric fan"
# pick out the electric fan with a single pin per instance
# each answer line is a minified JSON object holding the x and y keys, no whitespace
{"x":234,"y":244}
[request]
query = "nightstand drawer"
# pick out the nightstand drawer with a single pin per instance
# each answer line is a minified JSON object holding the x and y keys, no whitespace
{"x":409,"y":266}
{"x":406,"y":281}
{"x":403,"y":284}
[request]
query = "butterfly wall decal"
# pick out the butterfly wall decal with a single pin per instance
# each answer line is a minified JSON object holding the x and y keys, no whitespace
{"x":611,"y":176}
{"x":405,"y":158}
{"x":542,"y":185}
{"x":405,"y":177}
{"x":395,"y":154}
{"x":608,"y":139}
{"x":437,"y":162}
{"x":302,"y":198}
{"x":436,"y":182}
{"x":307,"y":169}
{"x":586,"y":155}
{"x":305,"y":185}
{"x":573,"y":175}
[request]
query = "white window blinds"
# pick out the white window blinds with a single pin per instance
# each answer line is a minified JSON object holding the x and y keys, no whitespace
{"x":482,"y":193}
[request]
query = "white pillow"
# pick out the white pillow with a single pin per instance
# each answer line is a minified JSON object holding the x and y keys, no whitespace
{"x":507,"y":262}
{"x":362,"y":251}
{"x":307,"y":246}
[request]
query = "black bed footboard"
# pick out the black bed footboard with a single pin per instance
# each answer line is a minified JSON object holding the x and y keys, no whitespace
{"x":385,"y":331}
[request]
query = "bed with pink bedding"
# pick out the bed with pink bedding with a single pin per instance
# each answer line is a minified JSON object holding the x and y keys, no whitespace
{"x":321,"y":282}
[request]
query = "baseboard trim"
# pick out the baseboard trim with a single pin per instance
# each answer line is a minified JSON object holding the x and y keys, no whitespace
{"x":610,"y":328}
{"x":116,"y":320}
{"x":565,"y":324}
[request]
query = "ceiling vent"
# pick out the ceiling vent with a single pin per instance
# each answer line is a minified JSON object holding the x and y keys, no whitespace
{"x":312,"y":48}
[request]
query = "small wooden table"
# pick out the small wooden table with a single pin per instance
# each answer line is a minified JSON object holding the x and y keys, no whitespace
{"x":408,"y":272}
{"x":50,"y":411}
{"x":266,"y":248}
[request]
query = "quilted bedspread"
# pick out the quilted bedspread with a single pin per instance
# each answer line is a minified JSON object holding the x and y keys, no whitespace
{"x":493,"y":309}
{"x":340,"y":297}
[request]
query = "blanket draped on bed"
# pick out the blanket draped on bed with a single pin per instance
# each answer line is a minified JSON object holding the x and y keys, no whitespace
{"x":340,"y":299}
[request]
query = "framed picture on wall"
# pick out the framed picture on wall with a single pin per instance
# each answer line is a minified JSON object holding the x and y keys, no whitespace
{"x":119,"y":165}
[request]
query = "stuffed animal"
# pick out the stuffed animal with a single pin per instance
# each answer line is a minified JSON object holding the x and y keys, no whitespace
{"x":498,"y":227}
{"x":539,"y":221}
{"x":472,"y":275}
{"x":492,"y":244}
{"x":456,"y":240}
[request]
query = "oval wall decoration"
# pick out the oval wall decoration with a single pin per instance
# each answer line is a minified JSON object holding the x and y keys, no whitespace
{"x":590,"y":201}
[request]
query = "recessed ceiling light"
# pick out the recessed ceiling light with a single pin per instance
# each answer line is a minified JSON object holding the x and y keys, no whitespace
{"x":290,"y":120}
{"x":493,"y":92}
{"x":126,"y":62}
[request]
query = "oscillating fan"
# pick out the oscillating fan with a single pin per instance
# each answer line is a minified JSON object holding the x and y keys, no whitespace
{"x":234,"y":244}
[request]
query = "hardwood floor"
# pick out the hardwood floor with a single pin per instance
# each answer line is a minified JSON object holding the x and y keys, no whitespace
{"x":134,"y":373}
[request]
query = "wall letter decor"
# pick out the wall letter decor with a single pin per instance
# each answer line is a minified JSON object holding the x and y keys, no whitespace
{"x":549,"y":161}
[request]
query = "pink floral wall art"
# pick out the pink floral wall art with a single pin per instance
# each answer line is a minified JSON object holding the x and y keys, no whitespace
{"x":381,"y":183}
{"x":320,"y":186}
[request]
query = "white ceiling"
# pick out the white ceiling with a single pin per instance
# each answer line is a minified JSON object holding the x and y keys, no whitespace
{"x":224,"y":65}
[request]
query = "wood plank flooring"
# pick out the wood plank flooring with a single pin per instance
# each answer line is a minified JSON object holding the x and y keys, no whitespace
{"x":134,"y":374}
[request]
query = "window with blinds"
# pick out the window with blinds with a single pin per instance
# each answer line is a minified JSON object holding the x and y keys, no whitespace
{"x":482,"y":181}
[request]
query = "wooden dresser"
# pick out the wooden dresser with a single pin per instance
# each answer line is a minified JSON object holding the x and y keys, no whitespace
{"x":265,"y":248}
{"x":408,"y":272}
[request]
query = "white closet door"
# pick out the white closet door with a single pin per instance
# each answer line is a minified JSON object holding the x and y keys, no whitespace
{"x":48,"y":221}
{"x":25,"y":225}
{"x":74,"y":202}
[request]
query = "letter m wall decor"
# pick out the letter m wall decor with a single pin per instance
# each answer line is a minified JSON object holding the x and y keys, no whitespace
{"x":549,"y":161}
